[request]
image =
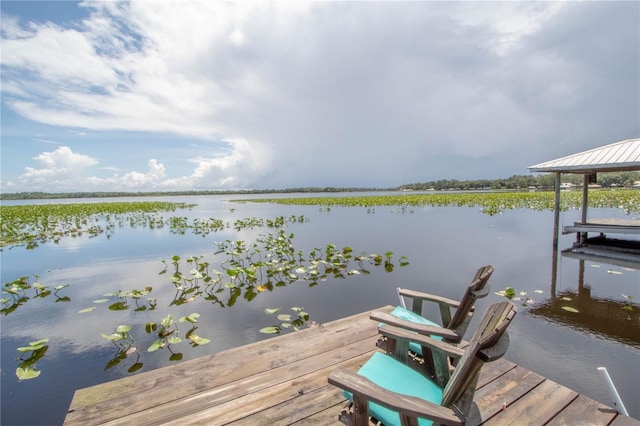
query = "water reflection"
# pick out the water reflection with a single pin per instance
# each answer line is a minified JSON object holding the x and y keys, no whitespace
{"x":617,"y":318}
{"x":605,"y":317}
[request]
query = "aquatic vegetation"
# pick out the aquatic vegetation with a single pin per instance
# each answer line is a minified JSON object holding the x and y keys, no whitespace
{"x":521,"y":296}
{"x":34,"y":224}
{"x":245,"y":270}
{"x":286,"y":320}
{"x":20,"y":291}
{"x":27,"y":368}
{"x":271,"y":261}
{"x":489,"y":202}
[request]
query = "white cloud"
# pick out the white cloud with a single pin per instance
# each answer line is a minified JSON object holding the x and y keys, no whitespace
{"x":332,"y":93}
{"x":60,"y":166}
{"x":64,"y":158}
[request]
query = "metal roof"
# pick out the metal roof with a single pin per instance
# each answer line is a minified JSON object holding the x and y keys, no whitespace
{"x":619,"y":156}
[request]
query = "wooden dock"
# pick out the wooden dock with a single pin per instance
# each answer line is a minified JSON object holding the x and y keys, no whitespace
{"x":283,"y":380}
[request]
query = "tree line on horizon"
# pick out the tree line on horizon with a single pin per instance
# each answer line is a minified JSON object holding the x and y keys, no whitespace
{"x":515,"y":182}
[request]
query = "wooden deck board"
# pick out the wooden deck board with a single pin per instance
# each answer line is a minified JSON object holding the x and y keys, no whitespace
{"x":283,"y":380}
{"x":584,"y":411}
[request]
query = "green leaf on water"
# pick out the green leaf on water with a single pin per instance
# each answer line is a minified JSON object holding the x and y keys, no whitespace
{"x":123,"y":328}
{"x":198,"y":340}
{"x":270,"y":330}
{"x":135,"y":367}
{"x":271,"y":310}
{"x":112,"y":337}
{"x":156,"y":345}
{"x":101,"y":301}
{"x":39,"y":342}
{"x":27,"y":373}
{"x":508,"y":292}
{"x":193,"y":318}
{"x":570,"y":309}
{"x":118,"y":306}
{"x":85,"y":310}
{"x":284,"y":317}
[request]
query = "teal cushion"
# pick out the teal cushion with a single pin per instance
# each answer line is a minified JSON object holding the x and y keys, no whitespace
{"x":392,"y":375}
{"x":408,"y":315}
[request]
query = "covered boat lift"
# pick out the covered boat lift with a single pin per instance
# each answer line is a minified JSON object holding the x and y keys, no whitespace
{"x":615,"y":157}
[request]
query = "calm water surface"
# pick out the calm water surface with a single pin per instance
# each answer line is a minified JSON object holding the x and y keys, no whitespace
{"x":445,"y":246}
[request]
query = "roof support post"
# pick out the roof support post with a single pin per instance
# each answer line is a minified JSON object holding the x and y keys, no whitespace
{"x":585,"y":204}
{"x":556,"y":213}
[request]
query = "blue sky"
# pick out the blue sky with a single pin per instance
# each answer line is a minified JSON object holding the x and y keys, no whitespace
{"x":181,"y":95}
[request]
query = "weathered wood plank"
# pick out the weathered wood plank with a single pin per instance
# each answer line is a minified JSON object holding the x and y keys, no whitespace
{"x":256,"y":402}
{"x":253,"y":387}
{"x":499,"y":394}
{"x":536,"y":407}
{"x":493,"y":370}
{"x":328,"y":416}
{"x":122,"y":397}
{"x":305,"y":407}
{"x":188,"y":369}
{"x":584,"y":411}
{"x":624,"y":421}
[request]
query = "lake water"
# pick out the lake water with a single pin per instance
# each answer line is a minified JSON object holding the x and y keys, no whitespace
{"x":445,"y":245}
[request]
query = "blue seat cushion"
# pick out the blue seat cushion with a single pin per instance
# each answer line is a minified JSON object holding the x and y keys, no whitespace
{"x":397,"y":377}
{"x":408,"y":315}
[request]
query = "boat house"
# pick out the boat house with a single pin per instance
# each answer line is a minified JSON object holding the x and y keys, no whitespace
{"x":615,"y":157}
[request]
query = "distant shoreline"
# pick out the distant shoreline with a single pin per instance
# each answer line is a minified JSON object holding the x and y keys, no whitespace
{"x":513,"y":183}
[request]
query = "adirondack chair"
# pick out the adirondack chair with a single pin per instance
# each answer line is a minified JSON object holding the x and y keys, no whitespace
{"x":451,"y":329}
{"x":395,"y":394}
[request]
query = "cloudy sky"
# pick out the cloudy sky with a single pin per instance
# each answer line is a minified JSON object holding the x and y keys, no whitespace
{"x":180,"y":95}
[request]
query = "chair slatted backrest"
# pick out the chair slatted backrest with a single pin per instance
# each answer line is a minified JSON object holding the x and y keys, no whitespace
{"x":476,"y":290}
{"x":489,"y":335}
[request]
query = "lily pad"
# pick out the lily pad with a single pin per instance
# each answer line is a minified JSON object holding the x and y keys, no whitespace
{"x":27,"y":373}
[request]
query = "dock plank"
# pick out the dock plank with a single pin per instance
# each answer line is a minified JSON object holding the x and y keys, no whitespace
{"x":537,"y":406}
{"x":503,"y":392}
{"x":283,"y":380}
{"x":584,"y":411}
{"x":248,"y":393}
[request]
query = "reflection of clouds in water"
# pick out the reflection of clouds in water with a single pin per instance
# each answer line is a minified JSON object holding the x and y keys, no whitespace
{"x":62,"y":322}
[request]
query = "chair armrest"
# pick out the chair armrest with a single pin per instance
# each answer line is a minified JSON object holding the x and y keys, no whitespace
{"x":429,"y":297}
{"x":361,"y":387}
{"x":433,"y":344}
{"x":427,"y":330}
